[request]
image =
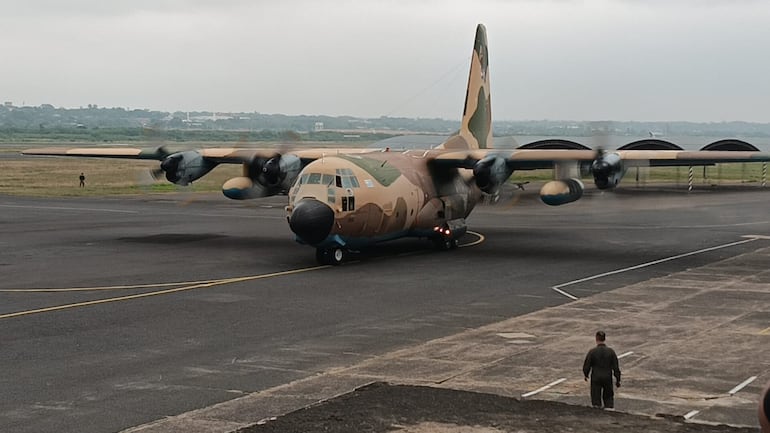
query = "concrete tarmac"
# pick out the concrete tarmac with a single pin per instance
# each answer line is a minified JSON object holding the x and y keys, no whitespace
{"x":160,"y":305}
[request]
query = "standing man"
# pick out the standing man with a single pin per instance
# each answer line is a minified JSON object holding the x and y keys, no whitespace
{"x":601,"y":363}
{"x":82,"y":180}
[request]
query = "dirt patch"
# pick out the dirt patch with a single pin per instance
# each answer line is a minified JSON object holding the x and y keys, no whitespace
{"x":381,"y":407}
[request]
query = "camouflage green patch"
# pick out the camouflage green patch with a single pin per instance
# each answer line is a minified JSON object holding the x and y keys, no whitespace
{"x":479,"y":122}
{"x":381,"y":171}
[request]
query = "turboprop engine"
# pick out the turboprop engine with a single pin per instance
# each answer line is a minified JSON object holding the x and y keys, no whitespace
{"x":490,"y":173}
{"x":264,"y":177}
{"x":607,"y":170}
{"x":559,"y":192}
{"x":182,"y":168}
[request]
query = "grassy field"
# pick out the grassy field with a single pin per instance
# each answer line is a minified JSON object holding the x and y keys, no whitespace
{"x":51,"y":176}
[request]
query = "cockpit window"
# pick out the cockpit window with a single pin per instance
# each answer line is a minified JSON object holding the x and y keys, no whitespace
{"x":346,"y":178}
{"x":327,"y":179}
{"x":314,"y":178}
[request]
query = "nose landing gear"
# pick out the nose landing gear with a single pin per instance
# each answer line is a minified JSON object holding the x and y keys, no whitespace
{"x":329,"y":256}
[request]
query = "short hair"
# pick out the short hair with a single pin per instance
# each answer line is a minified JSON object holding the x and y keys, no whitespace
{"x":601,"y":336}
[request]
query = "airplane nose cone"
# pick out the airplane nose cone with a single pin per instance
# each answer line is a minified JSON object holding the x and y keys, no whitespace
{"x":311,"y":221}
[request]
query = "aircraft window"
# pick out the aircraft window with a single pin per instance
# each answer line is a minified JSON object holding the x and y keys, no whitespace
{"x":354,"y":181}
{"x":346,"y":183}
{"x":303,"y":178}
{"x":327,"y":179}
{"x":330,"y":196}
{"x":315,"y":178}
{"x":338,"y":181}
{"x":352,"y":203}
{"x":345,"y":171}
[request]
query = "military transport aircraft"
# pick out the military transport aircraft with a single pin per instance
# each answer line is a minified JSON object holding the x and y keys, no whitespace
{"x":339,"y":200}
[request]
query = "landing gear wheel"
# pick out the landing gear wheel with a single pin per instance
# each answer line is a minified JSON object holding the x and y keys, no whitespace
{"x":454,"y":244}
{"x":336,"y":256}
{"x":329,"y":256}
{"x":443,"y":244}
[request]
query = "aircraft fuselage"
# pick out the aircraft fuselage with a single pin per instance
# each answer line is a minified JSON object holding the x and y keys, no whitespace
{"x":349,"y":201}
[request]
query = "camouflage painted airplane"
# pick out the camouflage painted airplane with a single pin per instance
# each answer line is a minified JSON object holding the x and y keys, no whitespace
{"x":339,"y":200}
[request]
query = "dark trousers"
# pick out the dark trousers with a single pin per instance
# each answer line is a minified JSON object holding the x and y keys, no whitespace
{"x":602,"y":392}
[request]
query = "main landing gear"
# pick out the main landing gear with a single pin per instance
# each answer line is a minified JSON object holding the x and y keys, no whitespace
{"x":329,"y":256}
{"x":444,"y":244}
{"x":446,"y":236}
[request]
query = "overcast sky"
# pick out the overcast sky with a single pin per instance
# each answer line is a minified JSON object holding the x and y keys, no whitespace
{"x":706,"y":60}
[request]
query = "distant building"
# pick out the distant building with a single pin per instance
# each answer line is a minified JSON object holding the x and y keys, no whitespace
{"x":8,"y":104}
{"x":319,"y":126}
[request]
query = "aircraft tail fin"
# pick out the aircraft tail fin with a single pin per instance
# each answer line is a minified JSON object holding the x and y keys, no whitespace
{"x":476,"y":127}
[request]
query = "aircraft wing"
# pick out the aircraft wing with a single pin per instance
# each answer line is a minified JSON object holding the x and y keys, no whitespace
{"x":218,"y":155}
{"x":529,"y":159}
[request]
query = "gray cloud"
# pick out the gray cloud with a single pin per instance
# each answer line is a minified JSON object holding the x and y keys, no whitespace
{"x":556,"y":59}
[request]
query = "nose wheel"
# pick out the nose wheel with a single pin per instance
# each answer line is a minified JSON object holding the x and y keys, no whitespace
{"x":329,"y":256}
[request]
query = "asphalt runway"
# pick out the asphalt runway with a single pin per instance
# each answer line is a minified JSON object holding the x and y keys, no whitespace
{"x":159,"y":304}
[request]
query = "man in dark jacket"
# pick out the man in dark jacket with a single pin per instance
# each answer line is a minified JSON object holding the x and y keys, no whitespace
{"x":601,"y":363}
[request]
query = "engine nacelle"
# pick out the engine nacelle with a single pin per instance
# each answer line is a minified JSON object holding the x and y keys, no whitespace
{"x":607,"y":171}
{"x":243,"y":188}
{"x":490,"y":173}
{"x":559,"y":192}
{"x":182,"y":168}
{"x":276,"y":174}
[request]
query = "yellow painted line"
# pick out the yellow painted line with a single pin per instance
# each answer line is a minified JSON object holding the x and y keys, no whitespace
{"x":480,"y":239}
{"x":161,"y":292}
{"x":765,"y":331}
{"x":125,"y":287}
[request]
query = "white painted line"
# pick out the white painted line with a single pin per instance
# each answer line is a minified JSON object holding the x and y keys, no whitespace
{"x":655,"y":262}
{"x":574,"y":298}
{"x":742,"y":385}
{"x":691,"y":414}
{"x":541,"y":389}
{"x":625,"y":354}
{"x":756,"y":237}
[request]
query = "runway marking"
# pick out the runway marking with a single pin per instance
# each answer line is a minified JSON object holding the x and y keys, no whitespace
{"x":480,"y":239}
{"x":69,"y":208}
{"x":161,"y":292}
{"x":625,"y":354}
{"x":574,"y":298}
{"x":750,"y":238}
{"x":102,"y":288}
{"x":691,"y":414}
{"x":765,"y":331}
{"x":742,"y":385}
{"x":543,"y":388}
